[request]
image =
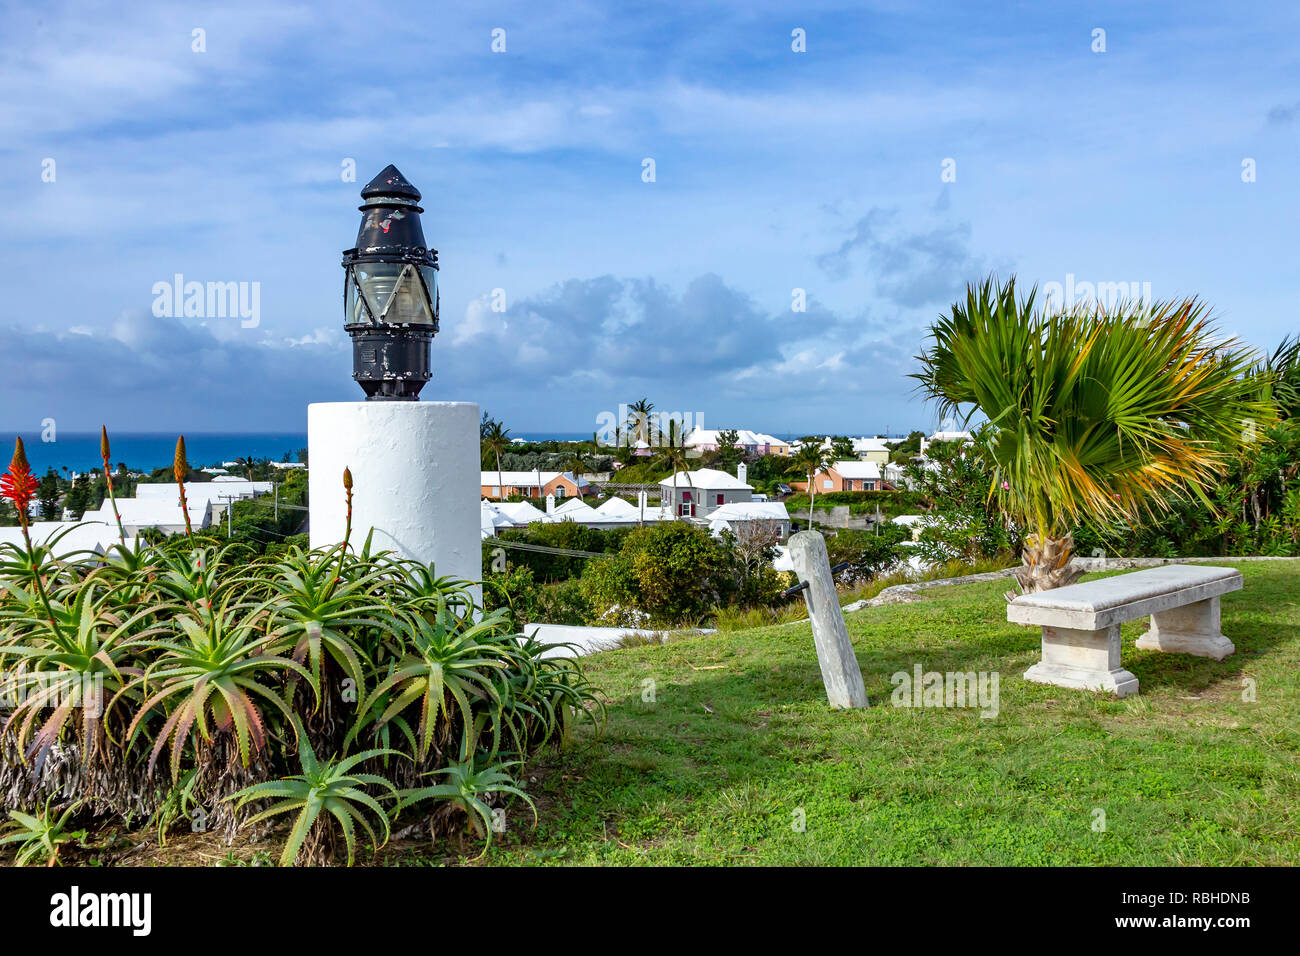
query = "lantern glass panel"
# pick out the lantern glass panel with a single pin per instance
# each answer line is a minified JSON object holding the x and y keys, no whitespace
{"x":393,"y":294}
{"x":430,"y":281}
{"x":354,"y":307}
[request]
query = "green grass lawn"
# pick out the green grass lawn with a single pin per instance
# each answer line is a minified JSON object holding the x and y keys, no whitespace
{"x":739,"y":740}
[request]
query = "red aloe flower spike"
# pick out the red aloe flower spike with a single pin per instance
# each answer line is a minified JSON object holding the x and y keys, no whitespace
{"x":19,"y":485}
{"x":181,"y":468}
{"x":104,"y":453}
{"x":347,"y":490}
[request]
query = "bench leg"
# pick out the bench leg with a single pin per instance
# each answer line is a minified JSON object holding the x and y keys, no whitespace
{"x":1084,"y":660}
{"x":1190,"y":629}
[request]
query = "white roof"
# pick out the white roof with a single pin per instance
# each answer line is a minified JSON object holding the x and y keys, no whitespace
{"x":710,"y":436}
{"x":951,"y":436}
{"x":619,"y":508}
{"x":705,"y":478}
{"x":574,"y":508}
{"x":910,"y":520}
{"x":524,"y":479}
{"x":750,"y":511}
{"x":156,"y":512}
{"x":857,"y":469}
{"x":93,"y":536}
{"x":861,"y":445}
{"x":201,"y":492}
{"x":519,"y":512}
{"x":618,"y":511}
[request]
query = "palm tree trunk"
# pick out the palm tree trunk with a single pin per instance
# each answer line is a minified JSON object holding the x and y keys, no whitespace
{"x":1045,"y":564}
{"x":501,"y":489}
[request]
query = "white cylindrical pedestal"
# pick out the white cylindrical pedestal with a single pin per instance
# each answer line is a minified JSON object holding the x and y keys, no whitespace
{"x":415,"y":479}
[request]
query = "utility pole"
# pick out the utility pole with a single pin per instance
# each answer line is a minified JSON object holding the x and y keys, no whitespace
{"x":230,"y":510}
{"x":276,"y":486}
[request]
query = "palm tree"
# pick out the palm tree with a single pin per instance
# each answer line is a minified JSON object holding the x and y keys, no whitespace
{"x":638,"y":419}
{"x":675,"y":457}
{"x":1092,"y":413}
{"x":812,"y":457}
{"x":579,"y":464}
{"x":247,"y":465}
{"x":495,"y":440}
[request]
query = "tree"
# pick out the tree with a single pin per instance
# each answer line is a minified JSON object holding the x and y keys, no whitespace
{"x":1092,"y":413}
{"x":811,"y":458}
{"x":579,"y":464}
{"x":47,"y":495}
{"x":638,"y":421}
{"x":907,"y":449}
{"x":842,"y":447}
{"x":676,"y":458}
{"x":729,"y":452}
{"x":496,"y":440}
{"x":78,"y":499}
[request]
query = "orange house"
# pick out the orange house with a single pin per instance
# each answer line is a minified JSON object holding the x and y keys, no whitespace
{"x":844,"y":476}
{"x":532,"y":484}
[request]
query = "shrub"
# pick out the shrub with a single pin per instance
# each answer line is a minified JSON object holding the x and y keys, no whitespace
{"x":674,"y":572}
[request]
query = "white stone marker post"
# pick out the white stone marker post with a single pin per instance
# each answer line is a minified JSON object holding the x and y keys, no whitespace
{"x":415,"y":474}
{"x":840,"y":671}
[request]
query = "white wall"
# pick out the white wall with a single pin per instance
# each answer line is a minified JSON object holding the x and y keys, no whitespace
{"x":415,"y":473}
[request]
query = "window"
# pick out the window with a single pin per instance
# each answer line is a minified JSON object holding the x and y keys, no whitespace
{"x":559,"y":491}
{"x":719,"y":499}
{"x":686,"y":496}
{"x":827,"y":484}
{"x":496,"y":491}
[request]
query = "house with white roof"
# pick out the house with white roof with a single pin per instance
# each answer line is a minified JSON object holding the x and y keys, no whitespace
{"x":162,"y":513}
{"x":872,"y":449}
{"x":215,"y":495}
{"x":965,"y":438}
{"x":729,"y":517}
{"x":532,"y":484}
{"x":73,"y":537}
{"x":696,"y":494}
{"x":751,"y":443}
{"x":848,"y":476}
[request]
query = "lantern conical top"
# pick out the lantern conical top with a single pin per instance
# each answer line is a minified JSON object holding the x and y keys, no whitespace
{"x":391,"y":184}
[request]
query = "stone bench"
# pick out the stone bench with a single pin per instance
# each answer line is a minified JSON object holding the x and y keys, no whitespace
{"x":1081,"y":623}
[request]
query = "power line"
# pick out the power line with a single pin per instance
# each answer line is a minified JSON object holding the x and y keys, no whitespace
{"x":569,"y":552}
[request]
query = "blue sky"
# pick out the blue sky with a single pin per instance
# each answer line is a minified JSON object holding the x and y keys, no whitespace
{"x":775,"y":170}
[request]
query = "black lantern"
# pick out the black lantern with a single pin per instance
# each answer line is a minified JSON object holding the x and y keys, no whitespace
{"x":390,"y":293}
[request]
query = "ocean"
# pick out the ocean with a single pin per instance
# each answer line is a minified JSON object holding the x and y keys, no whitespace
{"x":145,"y":451}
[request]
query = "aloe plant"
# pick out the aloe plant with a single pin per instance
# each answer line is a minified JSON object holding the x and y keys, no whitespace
{"x":328,"y":786}
{"x":211,"y":678}
{"x":444,"y":666}
{"x":40,"y":835}
{"x":465,"y":788}
{"x":69,"y":665}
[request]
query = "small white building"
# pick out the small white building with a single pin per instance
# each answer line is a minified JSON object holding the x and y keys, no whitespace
{"x":696,"y":494}
{"x":162,"y":513}
{"x":965,"y":438}
{"x":74,"y":537}
{"x":729,"y":517}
